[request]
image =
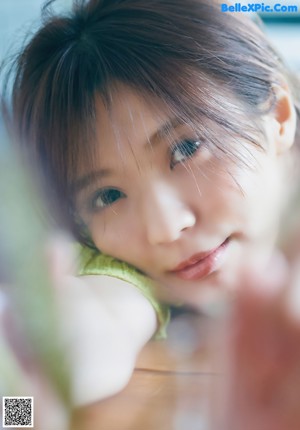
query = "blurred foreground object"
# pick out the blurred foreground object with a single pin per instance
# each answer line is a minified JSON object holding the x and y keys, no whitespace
{"x":31,"y":358}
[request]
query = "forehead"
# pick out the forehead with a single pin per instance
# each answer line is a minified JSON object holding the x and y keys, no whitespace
{"x":130,"y":116}
{"x":127,"y":120}
{"x":124,"y":131}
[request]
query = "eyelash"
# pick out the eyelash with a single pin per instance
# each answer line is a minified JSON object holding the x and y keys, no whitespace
{"x":189,"y":148}
{"x":108,"y":196}
{"x":111,"y":195}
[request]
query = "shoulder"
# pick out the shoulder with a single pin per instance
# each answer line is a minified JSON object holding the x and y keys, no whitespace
{"x":131,"y":308}
{"x":122,"y":285}
{"x":106,"y":322}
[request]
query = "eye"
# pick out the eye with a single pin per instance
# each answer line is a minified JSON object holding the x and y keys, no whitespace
{"x":105,"y":197}
{"x":184,"y":150}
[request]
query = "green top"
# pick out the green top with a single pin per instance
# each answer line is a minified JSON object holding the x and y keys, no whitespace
{"x":92,"y":262}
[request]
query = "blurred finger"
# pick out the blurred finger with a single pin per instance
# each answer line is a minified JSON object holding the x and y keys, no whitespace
{"x":61,"y":257}
{"x":292,"y":299}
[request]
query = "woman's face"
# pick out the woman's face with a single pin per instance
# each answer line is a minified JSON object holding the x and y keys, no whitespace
{"x":161,"y":201}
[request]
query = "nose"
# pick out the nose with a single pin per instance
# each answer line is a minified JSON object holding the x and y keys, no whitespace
{"x":165,"y":214}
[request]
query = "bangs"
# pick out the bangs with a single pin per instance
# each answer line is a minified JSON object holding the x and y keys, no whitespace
{"x":207,"y":107}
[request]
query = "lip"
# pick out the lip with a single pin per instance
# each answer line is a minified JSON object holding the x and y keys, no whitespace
{"x":201,"y":264}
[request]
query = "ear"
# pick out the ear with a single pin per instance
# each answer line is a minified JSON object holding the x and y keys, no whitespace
{"x":282,"y":126}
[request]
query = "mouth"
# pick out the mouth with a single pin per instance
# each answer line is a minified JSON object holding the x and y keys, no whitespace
{"x":201,"y":264}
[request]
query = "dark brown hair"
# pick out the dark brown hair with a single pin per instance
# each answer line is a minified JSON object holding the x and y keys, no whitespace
{"x":204,"y":65}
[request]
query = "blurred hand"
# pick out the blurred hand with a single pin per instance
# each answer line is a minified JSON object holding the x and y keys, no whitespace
{"x":21,"y":372}
{"x":261,"y":360}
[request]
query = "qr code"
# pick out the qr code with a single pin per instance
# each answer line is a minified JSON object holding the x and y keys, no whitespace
{"x":17,"y":412}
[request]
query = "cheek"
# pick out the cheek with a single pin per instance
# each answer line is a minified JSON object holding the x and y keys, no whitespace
{"x":217,"y":187}
{"x":262,"y":187}
{"x":115,"y":235}
{"x":258,"y":198}
{"x":245,"y":196}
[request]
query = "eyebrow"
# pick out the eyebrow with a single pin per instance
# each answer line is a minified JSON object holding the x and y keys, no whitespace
{"x":163,"y":131}
{"x":85,"y":181}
